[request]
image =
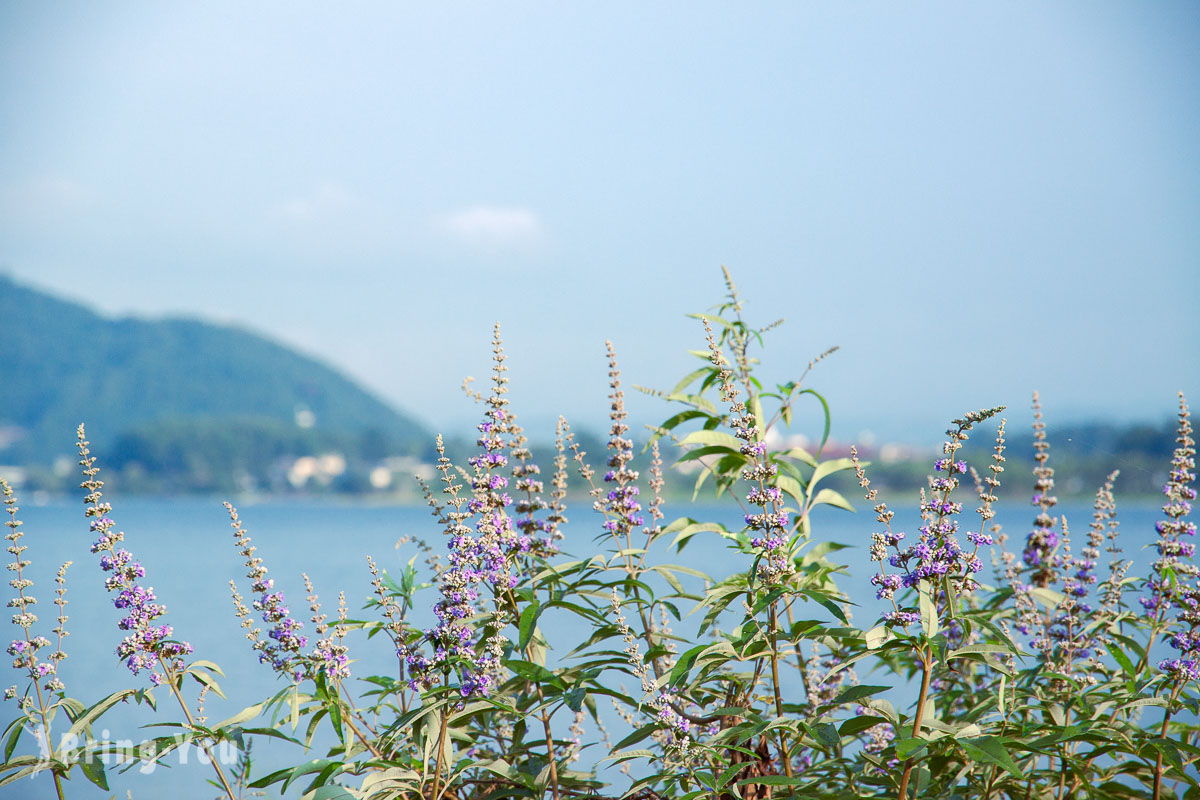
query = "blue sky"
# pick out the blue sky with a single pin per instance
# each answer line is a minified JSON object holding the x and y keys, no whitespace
{"x":973,"y":200}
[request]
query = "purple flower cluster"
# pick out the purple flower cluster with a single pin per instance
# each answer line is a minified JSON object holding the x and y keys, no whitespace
{"x":488,"y":555}
{"x":1043,"y":540}
{"x":878,"y":737}
{"x":770,"y":524}
{"x":1066,"y":635}
{"x":25,"y":651}
{"x":619,"y":505}
{"x":282,"y":651}
{"x":1182,"y":591}
{"x":537,"y":534}
{"x":148,"y":646}
{"x":936,"y":557}
{"x":286,"y":639}
{"x":678,"y":727}
{"x":330,"y":658}
{"x":1174,"y":555}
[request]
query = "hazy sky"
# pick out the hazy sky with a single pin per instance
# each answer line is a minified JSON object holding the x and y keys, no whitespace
{"x":973,"y":200}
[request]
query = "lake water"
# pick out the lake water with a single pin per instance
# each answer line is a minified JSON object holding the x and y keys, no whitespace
{"x":187,"y":548}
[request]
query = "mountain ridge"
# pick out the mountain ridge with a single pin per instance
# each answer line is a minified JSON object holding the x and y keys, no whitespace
{"x":63,"y":363}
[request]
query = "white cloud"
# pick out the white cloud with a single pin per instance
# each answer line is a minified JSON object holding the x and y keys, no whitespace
{"x":492,"y":225}
{"x":322,"y":203}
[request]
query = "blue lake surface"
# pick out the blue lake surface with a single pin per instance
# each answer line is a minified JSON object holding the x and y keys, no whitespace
{"x":187,"y":548}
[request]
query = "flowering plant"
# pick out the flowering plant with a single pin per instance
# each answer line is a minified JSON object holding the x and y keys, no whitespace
{"x":1037,"y":681}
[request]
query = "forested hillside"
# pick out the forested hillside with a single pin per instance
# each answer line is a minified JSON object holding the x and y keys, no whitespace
{"x":152,"y":391}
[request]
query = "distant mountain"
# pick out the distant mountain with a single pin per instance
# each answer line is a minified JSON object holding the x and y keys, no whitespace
{"x":130,"y":378}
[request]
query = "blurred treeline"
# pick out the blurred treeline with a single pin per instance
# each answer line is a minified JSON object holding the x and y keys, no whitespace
{"x":241,"y":456}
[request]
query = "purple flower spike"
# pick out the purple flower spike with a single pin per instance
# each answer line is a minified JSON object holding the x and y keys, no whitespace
{"x":1174,"y":577}
{"x":147,"y":646}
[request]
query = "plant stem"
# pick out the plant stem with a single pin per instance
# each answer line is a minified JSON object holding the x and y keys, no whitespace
{"x":549,"y":745}
{"x":783,"y":751}
{"x":350,"y":724}
{"x":437,"y":767}
{"x":1158,"y":762}
{"x":46,"y":730}
{"x":174,"y":684}
{"x":926,"y":674}
{"x":1062,"y":757}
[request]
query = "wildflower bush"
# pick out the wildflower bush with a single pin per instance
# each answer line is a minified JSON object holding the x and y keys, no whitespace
{"x":1052,"y":673}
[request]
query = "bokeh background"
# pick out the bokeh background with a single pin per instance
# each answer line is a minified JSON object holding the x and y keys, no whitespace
{"x":974,"y":201}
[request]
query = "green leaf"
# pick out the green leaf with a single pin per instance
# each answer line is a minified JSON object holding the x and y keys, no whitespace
{"x":878,"y":636}
{"x":699,"y":401}
{"x":929,"y":614}
{"x":826,"y":734}
{"x":1144,"y":701}
{"x":15,"y":729}
{"x":28,"y":771}
{"x":826,"y":468}
{"x":771,"y":780}
{"x":977,"y":648}
{"x":684,"y":382}
{"x":833,"y":607}
{"x":498,"y":767}
{"x":528,"y":623}
{"x":294,"y":708}
{"x":792,"y":487}
{"x":845,"y":664}
{"x":712,"y":319}
{"x":92,"y":714}
{"x":205,"y":679}
{"x":244,"y":715}
{"x":909,"y":748}
{"x":701,"y":452}
{"x":883,"y":707}
{"x":617,"y":758}
{"x":534,"y":672}
{"x":713,"y":439}
{"x":93,"y":770}
{"x":831,"y":498}
{"x":329,"y":793}
{"x":801,"y":454}
{"x":202,"y":664}
{"x":1049,"y":597}
{"x":669,"y":577}
{"x":856,"y":693}
{"x":990,"y":750}
{"x":858,"y":724}
{"x":684,"y":664}
{"x":1121,"y":658}
{"x":636,"y":736}
{"x":825,"y":409}
{"x":574,"y":698}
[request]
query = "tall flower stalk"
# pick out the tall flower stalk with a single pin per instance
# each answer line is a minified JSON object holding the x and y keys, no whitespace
{"x":282,"y":649}
{"x":769,"y":524}
{"x":27,"y":651}
{"x":936,"y":566}
{"x":1174,"y":582}
{"x":487,"y":562}
{"x":1043,"y":540}
{"x":147,"y":646}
